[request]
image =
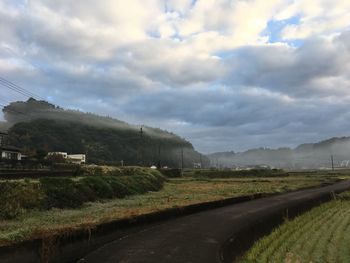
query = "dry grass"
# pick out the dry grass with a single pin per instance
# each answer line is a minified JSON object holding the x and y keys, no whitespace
{"x":176,"y":193}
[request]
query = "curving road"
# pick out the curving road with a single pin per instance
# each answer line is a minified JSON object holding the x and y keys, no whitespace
{"x":205,"y":237}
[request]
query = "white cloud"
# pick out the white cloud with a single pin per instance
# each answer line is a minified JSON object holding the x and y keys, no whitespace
{"x":206,"y":63}
{"x":316,"y":17}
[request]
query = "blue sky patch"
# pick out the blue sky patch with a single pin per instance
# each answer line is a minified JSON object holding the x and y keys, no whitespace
{"x":275,"y":27}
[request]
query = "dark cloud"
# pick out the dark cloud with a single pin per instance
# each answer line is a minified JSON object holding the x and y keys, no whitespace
{"x":291,"y":70}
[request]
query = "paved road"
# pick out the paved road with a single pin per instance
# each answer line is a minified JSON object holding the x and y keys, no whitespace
{"x":199,"y":238}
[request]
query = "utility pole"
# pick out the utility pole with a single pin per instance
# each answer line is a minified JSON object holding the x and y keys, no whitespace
{"x":2,"y":142}
{"x":200,"y":158}
{"x":141,"y":144}
{"x":159,"y":163}
{"x":182,"y":161}
{"x":332,"y":162}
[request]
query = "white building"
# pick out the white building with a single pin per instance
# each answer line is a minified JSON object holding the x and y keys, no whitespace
{"x":63,"y":154}
{"x":11,"y":153}
{"x":73,"y":158}
{"x":77,"y":158}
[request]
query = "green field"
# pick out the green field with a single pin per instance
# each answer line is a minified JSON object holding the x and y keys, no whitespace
{"x":320,"y":235}
{"x":179,"y":192}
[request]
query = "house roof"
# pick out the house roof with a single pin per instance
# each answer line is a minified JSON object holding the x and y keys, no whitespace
{"x":11,"y":148}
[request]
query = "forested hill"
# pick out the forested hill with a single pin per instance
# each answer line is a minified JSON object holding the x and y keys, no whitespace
{"x":41,"y":126}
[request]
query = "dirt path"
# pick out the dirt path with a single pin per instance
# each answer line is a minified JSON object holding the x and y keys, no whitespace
{"x":212,"y":236}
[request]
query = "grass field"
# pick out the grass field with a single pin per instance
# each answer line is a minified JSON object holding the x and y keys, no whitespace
{"x":320,"y":235}
{"x":175,"y":193}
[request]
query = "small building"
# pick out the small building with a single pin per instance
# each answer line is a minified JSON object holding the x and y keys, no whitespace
{"x":72,"y":158}
{"x":63,"y":154}
{"x":77,"y":158}
{"x":2,"y":138}
{"x":11,"y":153}
{"x":197,"y":165}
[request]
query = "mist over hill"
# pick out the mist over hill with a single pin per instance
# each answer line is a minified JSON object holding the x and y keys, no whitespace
{"x":309,"y":155}
{"x":38,"y":125}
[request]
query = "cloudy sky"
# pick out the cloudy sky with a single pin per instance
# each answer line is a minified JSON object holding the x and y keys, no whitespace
{"x":224,"y":74}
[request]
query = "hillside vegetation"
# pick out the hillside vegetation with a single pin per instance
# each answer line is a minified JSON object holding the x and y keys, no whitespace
{"x":45,"y":127}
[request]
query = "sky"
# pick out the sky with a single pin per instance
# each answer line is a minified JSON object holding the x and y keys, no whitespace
{"x":225,"y":74}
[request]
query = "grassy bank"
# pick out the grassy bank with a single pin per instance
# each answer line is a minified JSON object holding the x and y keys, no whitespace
{"x":175,"y":193}
{"x":321,"y":235}
{"x":18,"y":196}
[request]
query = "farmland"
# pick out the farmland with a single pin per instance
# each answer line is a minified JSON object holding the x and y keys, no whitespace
{"x":177,"y":192}
{"x":320,"y":235}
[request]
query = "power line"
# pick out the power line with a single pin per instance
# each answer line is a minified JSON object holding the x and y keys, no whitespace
{"x":18,"y":89}
{"x":15,"y":89}
{"x":11,"y":88}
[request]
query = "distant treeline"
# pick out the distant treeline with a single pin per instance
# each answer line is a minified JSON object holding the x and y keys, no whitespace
{"x":310,"y":156}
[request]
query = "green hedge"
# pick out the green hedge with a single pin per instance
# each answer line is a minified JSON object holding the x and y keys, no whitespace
{"x":64,"y":192}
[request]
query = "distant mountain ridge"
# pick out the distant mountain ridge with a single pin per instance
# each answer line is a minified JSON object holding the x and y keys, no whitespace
{"x":308,"y":155}
{"x":39,"y":125}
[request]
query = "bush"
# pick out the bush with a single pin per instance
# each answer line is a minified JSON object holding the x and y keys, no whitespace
{"x":87,"y":194}
{"x":99,"y":185}
{"x":16,"y":196}
{"x":133,"y":170}
{"x":172,"y":173}
{"x":119,"y":189}
{"x":92,"y":170}
{"x":61,"y":192}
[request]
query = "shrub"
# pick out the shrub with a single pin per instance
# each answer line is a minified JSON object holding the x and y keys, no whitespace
{"x":10,"y":205}
{"x":99,"y":185}
{"x":130,"y":184}
{"x":92,"y":170}
{"x":87,"y":194}
{"x":119,"y":189}
{"x":61,"y":192}
{"x":172,"y":173}
{"x":16,"y":196}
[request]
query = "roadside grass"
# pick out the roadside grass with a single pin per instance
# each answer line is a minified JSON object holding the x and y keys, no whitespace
{"x":320,"y":235}
{"x":36,"y":223}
